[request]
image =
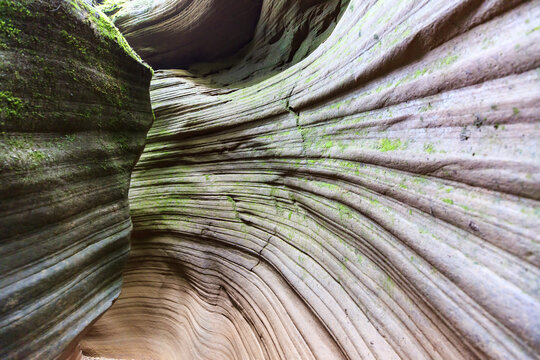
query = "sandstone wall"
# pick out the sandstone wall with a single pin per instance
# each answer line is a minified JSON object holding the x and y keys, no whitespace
{"x":361,"y":181}
{"x":74,"y":112}
{"x":377,"y":199}
{"x":177,"y":33}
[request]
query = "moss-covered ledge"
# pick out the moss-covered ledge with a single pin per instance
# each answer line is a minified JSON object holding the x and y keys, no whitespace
{"x":74,"y":113}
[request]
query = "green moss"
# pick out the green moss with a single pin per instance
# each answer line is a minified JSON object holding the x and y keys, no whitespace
{"x":340,"y":104}
{"x":327,"y":186}
{"x":448,"y":60}
{"x":515,"y":110}
{"x":15,"y":143}
{"x":383,"y":87}
{"x":266,"y":137}
{"x":310,"y":79}
{"x":388,"y":284}
{"x":344,"y":212}
{"x":10,"y":106}
{"x":449,"y":201}
{"x":103,"y":26}
{"x":74,"y":42}
{"x":11,"y":8}
{"x":110,"y":7}
{"x":38,"y":156}
{"x":419,"y":73}
{"x":429,"y":148}
{"x":107,"y":29}
{"x":386,"y":144}
{"x":122,"y":142}
{"x":533,"y":30}
{"x":233,"y":204}
{"x":7,"y":30}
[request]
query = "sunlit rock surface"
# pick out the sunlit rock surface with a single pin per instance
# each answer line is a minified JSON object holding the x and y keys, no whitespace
{"x":74,"y":112}
{"x":377,"y":198}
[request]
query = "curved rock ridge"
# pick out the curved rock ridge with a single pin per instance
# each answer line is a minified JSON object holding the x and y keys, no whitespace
{"x":379,"y":199}
{"x":74,"y":113}
{"x":204,"y":300}
{"x":290,"y":31}
{"x":178,"y":33}
{"x":190,"y":34}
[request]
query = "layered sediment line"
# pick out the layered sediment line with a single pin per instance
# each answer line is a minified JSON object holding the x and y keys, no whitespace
{"x":377,"y":198}
{"x":74,"y":113}
{"x":190,"y":34}
{"x":178,"y":33}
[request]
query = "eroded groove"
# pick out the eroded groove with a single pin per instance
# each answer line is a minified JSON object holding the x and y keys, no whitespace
{"x":388,"y":179}
{"x":323,"y":180}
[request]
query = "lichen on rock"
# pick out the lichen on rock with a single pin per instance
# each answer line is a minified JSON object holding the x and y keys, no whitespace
{"x":74,"y":112}
{"x":341,"y":180}
{"x":377,"y":197}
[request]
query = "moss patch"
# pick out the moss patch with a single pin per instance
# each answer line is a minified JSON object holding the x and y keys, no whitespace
{"x":386,"y":144}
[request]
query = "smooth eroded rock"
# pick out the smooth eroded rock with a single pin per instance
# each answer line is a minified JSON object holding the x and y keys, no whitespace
{"x":191,"y":34}
{"x":178,"y":33}
{"x":377,"y":199}
{"x":74,"y":113}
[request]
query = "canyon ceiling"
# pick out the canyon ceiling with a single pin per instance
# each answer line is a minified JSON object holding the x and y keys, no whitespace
{"x":320,"y":179}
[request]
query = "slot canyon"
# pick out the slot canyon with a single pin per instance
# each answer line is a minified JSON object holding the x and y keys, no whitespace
{"x":269,"y":179}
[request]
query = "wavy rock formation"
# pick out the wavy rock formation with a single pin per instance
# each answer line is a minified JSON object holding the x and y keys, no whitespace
{"x":359,"y":181}
{"x":177,"y":33}
{"x":74,"y":113}
{"x":377,"y":198}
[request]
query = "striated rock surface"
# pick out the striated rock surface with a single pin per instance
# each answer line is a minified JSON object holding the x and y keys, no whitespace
{"x":74,"y":113}
{"x":177,"y":33}
{"x":288,"y":32}
{"x":377,"y":198}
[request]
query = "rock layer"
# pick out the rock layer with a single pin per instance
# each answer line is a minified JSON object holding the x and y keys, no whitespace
{"x":177,"y":33}
{"x":74,"y":114}
{"x":378,"y":199}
